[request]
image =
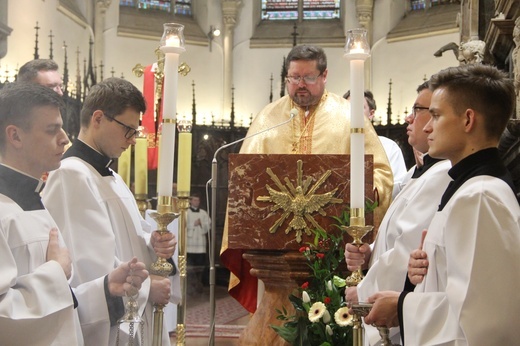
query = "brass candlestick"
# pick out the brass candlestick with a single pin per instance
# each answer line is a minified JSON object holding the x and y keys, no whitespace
{"x":181,"y":308}
{"x":357,"y":230}
{"x":143,"y":203}
{"x":167,"y":211}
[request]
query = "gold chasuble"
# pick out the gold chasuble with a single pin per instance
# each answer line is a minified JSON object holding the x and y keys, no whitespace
{"x":321,"y":129}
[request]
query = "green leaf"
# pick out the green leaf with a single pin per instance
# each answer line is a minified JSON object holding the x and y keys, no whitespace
{"x":288,"y":334}
{"x":338,"y":282}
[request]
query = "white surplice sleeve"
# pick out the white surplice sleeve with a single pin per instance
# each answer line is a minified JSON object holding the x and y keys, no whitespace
{"x":77,"y":199}
{"x":36,"y":305}
{"x":400,"y":233}
{"x":470,"y":294}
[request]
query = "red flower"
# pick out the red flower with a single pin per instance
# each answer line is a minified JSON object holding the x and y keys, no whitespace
{"x":302,"y":249}
{"x":326,"y":300}
{"x":305,"y":285}
{"x":320,"y":255}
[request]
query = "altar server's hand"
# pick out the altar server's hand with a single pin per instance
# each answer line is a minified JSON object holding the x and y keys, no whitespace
{"x":127,"y":278}
{"x":58,"y":254}
{"x":351,"y":296}
{"x":357,"y":257}
{"x":418,"y":263}
{"x":163,"y":245}
{"x":384,"y":309}
{"x":160,"y":290}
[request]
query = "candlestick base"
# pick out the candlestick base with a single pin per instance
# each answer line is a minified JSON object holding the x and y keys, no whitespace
{"x":166,"y":213}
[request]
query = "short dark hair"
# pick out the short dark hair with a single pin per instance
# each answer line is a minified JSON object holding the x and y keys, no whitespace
{"x":309,"y":53}
{"x":29,"y":70}
{"x":17,"y":101}
{"x":113,"y":96}
{"x":423,"y":85}
{"x":369,"y":96}
{"x":483,"y":88}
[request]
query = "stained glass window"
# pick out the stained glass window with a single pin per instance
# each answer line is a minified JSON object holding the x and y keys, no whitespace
{"x":315,"y":9}
{"x":180,"y":7}
{"x":423,"y":4}
{"x":290,"y":9}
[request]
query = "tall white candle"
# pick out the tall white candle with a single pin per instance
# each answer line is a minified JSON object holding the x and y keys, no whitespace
{"x":357,"y":137}
{"x":172,"y":45}
{"x":357,"y":51}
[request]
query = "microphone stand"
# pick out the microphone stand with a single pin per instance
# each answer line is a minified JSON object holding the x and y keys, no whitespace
{"x":213,"y":243}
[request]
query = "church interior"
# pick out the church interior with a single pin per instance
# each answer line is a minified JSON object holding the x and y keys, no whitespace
{"x":233,"y":65}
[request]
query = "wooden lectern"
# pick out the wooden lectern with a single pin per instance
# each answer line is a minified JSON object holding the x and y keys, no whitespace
{"x":274,"y":203}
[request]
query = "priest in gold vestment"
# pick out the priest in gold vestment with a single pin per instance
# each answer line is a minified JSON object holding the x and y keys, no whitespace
{"x":322,"y":126}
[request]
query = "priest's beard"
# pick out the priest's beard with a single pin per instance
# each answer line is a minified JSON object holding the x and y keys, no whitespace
{"x":303,"y":98}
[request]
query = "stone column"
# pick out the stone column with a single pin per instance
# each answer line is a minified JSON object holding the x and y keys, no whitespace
{"x":230,"y":9}
{"x":469,"y":20}
{"x":364,"y":9}
{"x":99,"y":29}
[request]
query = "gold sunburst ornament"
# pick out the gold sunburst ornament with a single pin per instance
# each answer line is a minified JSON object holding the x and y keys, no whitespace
{"x":300,"y":200}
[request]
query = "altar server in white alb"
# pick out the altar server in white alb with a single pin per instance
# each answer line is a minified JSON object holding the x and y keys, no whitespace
{"x":37,"y":306}
{"x":470,"y":294}
{"x":98,"y":214}
{"x":409,"y":213}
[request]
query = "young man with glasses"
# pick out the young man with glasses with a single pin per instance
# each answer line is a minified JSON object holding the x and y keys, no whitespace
{"x":37,"y":306}
{"x":322,"y":126}
{"x":471,"y":247}
{"x":98,"y":213}
{"x":400,"y":231}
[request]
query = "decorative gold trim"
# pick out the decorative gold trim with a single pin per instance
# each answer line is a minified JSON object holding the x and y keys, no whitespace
{"x":301,"y":201}
{"x":168,"y":121}
{"x":357,"y":130}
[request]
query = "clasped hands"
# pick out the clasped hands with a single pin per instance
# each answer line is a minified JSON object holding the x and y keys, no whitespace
{"x":384,"y":309}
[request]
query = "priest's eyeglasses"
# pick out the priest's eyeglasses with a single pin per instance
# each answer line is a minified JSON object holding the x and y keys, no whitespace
{"x":416,"y":109}
{"x":130,"y":131}
{"x":307,"y":79}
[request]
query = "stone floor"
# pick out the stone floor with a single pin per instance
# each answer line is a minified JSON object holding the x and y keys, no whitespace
{"x":194,"y":302}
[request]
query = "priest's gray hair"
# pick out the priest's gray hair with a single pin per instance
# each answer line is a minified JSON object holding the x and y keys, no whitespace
{"x":19,"y":102}
{"x":113,"y":96}
{"x":309,"y":53}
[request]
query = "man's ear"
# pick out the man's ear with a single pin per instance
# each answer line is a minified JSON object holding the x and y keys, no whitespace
{"x":325,"y":75}
{"x":14,"y":136}
{"x":95,"y":119}
{"x":470,"y":119}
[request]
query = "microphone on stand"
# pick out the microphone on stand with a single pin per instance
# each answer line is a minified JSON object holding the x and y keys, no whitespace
{"x":212,"y":274}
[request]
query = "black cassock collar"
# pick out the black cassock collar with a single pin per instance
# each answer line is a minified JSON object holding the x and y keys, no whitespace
{"x":97,"y":160}
{"x":21,"y":188}
{"x":483,"y":162}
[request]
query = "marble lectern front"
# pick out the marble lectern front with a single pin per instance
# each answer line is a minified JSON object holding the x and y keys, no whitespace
{"x":274,"y":203}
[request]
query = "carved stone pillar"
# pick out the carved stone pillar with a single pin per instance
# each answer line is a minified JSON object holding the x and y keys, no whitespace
{"x":5,"y":31}
{"x":230,"y":9}
{"x":516,"y":64}
{"x":470,"y":20}
{"x":99,"y":28}
{"x":364,"y":9}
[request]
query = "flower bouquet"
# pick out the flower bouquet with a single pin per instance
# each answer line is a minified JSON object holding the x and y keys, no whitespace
{"x":321,"y":316}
